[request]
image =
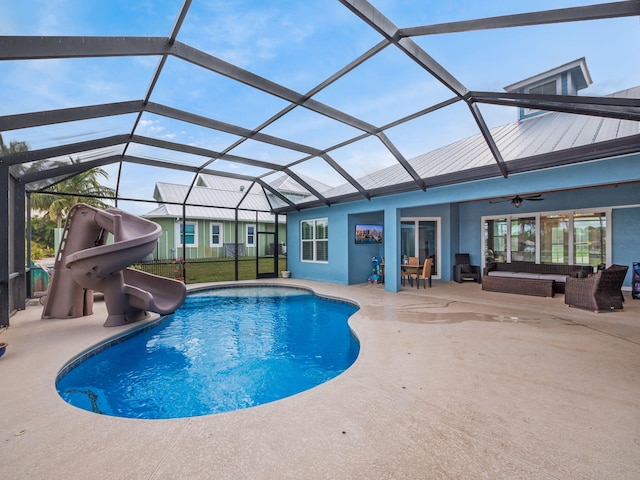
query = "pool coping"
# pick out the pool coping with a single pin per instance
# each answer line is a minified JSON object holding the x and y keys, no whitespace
{"x":451,"y":382}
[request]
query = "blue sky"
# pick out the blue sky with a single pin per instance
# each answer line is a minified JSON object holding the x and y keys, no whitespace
{"x":297,"y":44}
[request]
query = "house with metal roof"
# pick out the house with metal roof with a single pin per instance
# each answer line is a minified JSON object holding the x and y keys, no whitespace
{"x":505,"y":216}
{"x":581,"y":205}
{"x":199,"y":230}
{"x":311,"y":110}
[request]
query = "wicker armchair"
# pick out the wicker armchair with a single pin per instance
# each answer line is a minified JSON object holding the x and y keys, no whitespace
{"x":463,"y":270}
{"x":598,"y":292}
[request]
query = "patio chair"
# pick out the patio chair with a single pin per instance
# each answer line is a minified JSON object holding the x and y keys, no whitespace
{"x":405,"y":274}
{"x":463,"y":270}
{"x":425,"y":274}
{"x":600,"y":291}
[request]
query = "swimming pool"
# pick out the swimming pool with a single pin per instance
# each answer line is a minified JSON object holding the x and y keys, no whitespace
{"x":225,"y":349}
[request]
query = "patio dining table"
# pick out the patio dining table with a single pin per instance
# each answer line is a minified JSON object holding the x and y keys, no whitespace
{"x":409,"y":269}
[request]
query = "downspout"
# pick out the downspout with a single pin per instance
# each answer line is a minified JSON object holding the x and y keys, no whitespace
{"x":257,"y":244}
{"x":276,"y":247}
{"x":29,"y":276}
{"x":184,"y":241}
{"x":4,"y":247}
{"x":235,"y":249}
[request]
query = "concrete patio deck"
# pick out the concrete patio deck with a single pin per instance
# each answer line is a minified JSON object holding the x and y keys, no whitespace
{"x":451,"y":382}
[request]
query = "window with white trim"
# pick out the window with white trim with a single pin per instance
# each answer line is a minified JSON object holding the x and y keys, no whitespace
{"x":191,"y":237}
{"x":548,"y":88}
{"x":250,"y":236}
{"x":565,"y":237}
{"x":314,"y":238}
{"x":551,"y":87}
{"x":215,"y":234}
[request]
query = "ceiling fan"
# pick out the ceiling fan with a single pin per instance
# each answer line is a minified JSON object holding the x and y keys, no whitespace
{"x":517,"y":200}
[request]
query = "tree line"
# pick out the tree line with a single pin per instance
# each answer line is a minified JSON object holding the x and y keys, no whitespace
{"x":51,"y":204}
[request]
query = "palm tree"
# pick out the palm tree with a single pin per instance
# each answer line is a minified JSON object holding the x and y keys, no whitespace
{"x":58,"y":199}
{"x":84,"y":187}
{"x":13,"y":147}
{"x":20,"y":169}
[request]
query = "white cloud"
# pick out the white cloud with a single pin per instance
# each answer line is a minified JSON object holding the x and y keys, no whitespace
{"x":149,"y":127}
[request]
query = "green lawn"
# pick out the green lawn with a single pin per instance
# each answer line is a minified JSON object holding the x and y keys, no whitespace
{"x":214,"y":270}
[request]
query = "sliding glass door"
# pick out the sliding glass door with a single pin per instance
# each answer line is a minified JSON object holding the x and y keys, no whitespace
{"x":420,"y":237}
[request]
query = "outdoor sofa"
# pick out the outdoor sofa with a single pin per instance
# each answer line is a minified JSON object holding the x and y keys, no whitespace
{"x":526,"y":278}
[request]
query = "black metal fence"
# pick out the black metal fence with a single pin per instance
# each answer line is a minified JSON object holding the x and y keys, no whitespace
{"x":211,"y":270}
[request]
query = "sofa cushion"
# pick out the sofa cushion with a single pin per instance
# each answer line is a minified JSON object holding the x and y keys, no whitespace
{"x":501,"y":273}
{"x":543,"y":268}
{"x":557,"y":278}
{"x":542,"y":276}
{"x":527,"y":275}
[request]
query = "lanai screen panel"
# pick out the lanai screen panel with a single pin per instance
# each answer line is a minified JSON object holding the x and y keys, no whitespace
{"x":199,"y":90}
{"x":183,"y":132}
{"x":292,"y":43}
{"x":114,"y":17}
{"x":138,"y":181}
{"x":385,"y":88}
{"x":308,"y":127}
{"x":51,"y":84}
{"x":372,"y":97}
{"x":490,"y":59}
{"x":58,"y":134}
{"x":425,"y":133}
{"x":266,"y":152}
{"x":49,"y":165}
{"x":165,"y":155}
{"x":236,"y":168}
{"x":327,"y":176}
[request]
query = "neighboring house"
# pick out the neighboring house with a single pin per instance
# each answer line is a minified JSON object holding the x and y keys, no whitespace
{"x":587,"y":212}
{"x":212,"y":232}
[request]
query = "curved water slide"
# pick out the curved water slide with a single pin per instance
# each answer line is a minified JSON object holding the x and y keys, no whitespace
{"x":85,"y":264}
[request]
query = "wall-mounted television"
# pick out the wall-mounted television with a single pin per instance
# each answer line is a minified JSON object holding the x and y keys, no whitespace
{"x":368,"y":234}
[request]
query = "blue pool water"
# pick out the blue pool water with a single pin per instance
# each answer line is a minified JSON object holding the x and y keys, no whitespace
{"x":224,"y":349}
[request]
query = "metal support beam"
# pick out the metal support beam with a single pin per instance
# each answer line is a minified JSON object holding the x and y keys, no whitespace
{"x":156,"y":75}
{"x":315,"y":90}
{"x":245,"y":196}
{"x":40,"y":48}
{"x":266,"y":186}
{"x":204,"y":152}
{"x":376,"y":20}
{"x":67,"y":170}
{"x":227,"y":128}
{"x":5,"y":246}
{"x":306,"y":185}
{"x":346,"y":175}
{"x":609,"y":149}
{"x":19,"y":237}
{"x":561,"y":15}
{"x":214,"y":64}
{"x":51,"y":117}
{"x":402,"y":161}
{"x":484,"y":130}
{"x":63,"y":150}
{"x":611,"y":107}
